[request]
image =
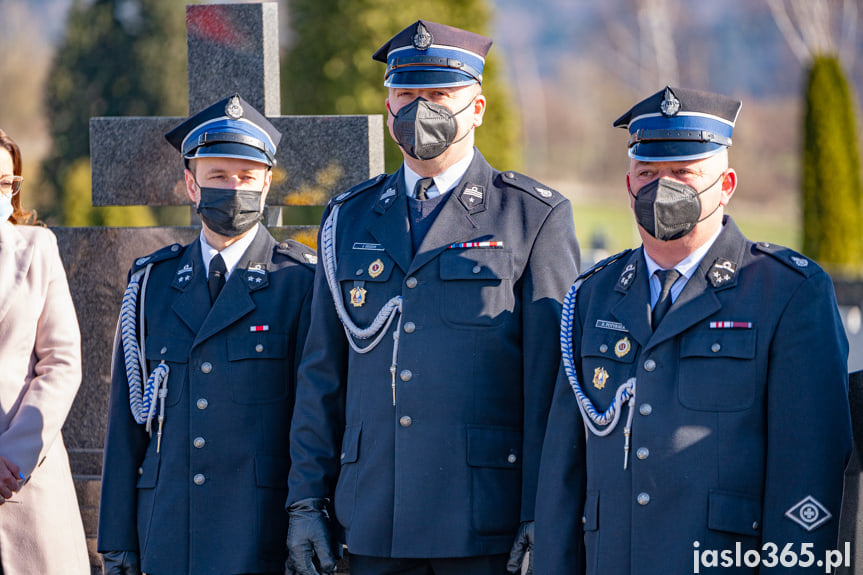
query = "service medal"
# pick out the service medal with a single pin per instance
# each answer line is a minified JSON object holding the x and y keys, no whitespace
{"x":600,"y":377}
{"x":376,"y":268}
{"x":358,"y":297}
{"x":622,"y":347}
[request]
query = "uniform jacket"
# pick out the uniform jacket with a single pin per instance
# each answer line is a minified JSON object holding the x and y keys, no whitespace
{"x":450,"y":469}
{"x":734,"y":425}
{"x":40,"y":354}
{"x":211,"y":500}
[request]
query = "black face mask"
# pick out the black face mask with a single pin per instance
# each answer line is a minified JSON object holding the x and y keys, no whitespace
{"x":425,"y":130}
{"x":230,"y":213}
{"x":669,"y":209}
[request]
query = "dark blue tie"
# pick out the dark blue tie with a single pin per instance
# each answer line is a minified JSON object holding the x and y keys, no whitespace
{"x":666,"y":280}
{"x":216,"y":277}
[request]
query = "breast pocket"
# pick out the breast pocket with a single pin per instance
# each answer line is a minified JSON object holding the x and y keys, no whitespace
{"x":717,"y":370}
{"x":477,"y":286}
{"x":607,"y":362}
{"x":363,"y":278}
{"x":175,"y":353}
{"x":259,"y":365}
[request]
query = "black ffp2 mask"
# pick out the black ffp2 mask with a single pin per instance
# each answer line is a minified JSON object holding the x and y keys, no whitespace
{"x":425,"y":130}
{"x":230,"y":213}
{"x":669,"y":209}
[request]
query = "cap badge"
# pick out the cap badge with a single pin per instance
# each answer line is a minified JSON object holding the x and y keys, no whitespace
{"x":622,"y":347}
{"x":358,"y":296}
{"x":600,"y":377}
{"x":234,"y":109}
{"x":670,"y":105}
{"x":376,"y":268}
{"x":423,"y":38}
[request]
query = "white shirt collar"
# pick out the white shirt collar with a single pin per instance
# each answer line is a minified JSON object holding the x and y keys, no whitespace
{"x":230,"y":254}
{"x":443,"y":182}
{"x":686,"y":267}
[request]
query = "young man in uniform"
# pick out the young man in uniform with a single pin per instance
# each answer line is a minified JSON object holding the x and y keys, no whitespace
{"x":196,"y":458}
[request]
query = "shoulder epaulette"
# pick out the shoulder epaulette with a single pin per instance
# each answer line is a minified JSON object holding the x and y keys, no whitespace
{"x":602,"y":264}
{"x":357,"y":189}
{"x":165,"y":253}
{"x":299,"y":252}
{"x":789,"y":257}
{"x":532,"y":187}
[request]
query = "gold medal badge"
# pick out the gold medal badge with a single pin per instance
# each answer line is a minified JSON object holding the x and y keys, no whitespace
{"x":358,"y":297}
{"x":600,"y":377}
{"x":622,"y":347}
{"x":376,"y":268}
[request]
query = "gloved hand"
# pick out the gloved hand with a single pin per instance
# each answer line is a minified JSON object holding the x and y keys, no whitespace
{"x":523,"y":544}
{"x":120,"y":563}
{"x":310,"y":547}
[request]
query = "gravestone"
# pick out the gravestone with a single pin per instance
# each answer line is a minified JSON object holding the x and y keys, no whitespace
{"x":231,"y":48}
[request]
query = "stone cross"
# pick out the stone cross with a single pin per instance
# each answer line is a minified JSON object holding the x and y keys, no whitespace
{"x":231,"y":48}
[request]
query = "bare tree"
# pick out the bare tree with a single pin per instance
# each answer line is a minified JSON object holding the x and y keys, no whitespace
{"x":808,"y":27}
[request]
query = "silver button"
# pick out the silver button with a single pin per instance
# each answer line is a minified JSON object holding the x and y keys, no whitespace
{"x":259,"y":348}
{"x":510,"y":175}
{"x":202,"y":403}
{"x":642,"y":453}
{"x":715,"y":347}
{"x":410,"y":327}
{"x":755,"y":525}
{"x":583,"y":520}
{"x":343,"y":455}
{"x":411,"y":282}
{"x":175,"y":247}
{"x":476,"y":269}
{"x":359,"y":272}
{"x":645,"y":409}
{"x":603,"y":348}
{"x":643,"y":498}
{"x":163,"y":351}
{"x":206,"y":367}
{"x":406,"y":421}
{"x":199,"y":442}
{"x":140,"y":471}
{"x":512,"y":458}
{"x":406,"y":375}
{"x":764,"y":244}
{"x":649,"y":365}
{"x":199,"y":479}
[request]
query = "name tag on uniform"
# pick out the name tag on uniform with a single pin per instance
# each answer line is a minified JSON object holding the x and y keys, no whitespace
{"x":616,"y":326}
{"x":368,"y":247}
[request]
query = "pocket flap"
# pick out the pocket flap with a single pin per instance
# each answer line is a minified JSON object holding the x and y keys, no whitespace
{"x":614,"y":345}
{"x":735,"y":343}
{"x":148,"y":473}
{"x":493,"y":446}
{"x":734,"y":512}
{"x":590,"y":517}
{"x":272,"y":471}
{"x":171,"y":349}
{"x":367,"y":266}
{"x":476,"y":264}
{"x":351,"y":444}
{"x":257,"y":345}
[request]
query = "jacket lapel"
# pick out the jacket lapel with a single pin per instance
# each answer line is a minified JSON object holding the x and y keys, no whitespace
{"x":455,"y":223}
{"x":391,"y":228}
{"x":15,"y":257}
{"x":193,"y":302}
{"x":235,"y":301}
{"x":633,"y":309}
{"x":698,"y":300}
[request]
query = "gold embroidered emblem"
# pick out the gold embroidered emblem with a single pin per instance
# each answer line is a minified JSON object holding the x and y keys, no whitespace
{"x":600,"y":377}
{"x":376,"y":268}
{"x":622,"y":347}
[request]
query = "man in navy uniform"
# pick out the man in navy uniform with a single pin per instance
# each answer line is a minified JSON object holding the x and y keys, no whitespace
{"x":196,"y":458}
{"x":701,"y":419}
{"x":431,"y":358}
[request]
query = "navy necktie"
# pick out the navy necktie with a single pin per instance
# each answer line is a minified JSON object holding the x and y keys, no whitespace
{"x":421,"y":188}
{"x":666,"y":280}
{"x":216,"y":277}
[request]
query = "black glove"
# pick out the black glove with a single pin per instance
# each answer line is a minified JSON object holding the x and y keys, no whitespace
{"x":120,"y":563}
{"x":310,"y":548}
{"x":523,"y":544}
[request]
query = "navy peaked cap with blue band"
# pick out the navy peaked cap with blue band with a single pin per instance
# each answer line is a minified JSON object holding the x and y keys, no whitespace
{"x":431,"y":55}
{"x":677,"y":124}
{"x":230,"y":128}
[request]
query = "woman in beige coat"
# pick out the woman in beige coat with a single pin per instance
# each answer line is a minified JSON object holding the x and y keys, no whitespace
{"x":40,"y":371}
